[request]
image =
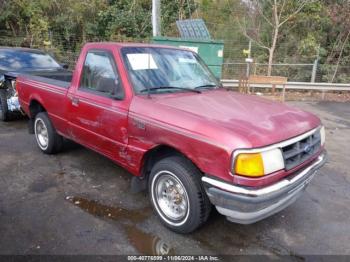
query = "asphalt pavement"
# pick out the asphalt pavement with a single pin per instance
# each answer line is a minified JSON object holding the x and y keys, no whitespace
{"x":78,"y":202}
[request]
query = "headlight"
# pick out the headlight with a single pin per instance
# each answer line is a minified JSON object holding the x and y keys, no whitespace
{"x":258,"y":164}
{"x":249,"y":165}
{"x":323,"y":135}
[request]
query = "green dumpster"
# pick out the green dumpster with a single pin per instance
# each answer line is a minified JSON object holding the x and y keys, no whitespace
{"x":209,"y":50}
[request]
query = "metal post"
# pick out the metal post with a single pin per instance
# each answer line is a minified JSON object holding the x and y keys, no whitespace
{"x":156,"y":17}
{"x":314,"y":71}
{"x":249,"y":57}
{"x":314,"y":67}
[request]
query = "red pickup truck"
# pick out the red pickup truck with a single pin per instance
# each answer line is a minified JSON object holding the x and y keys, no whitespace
{"x":158,"y":112}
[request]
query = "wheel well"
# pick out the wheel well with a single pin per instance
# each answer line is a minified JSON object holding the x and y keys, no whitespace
{"x":34,"y":108}
{"x":156,"y":154}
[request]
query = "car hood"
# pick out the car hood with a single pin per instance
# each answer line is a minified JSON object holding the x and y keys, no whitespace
{"x":230,"y":117}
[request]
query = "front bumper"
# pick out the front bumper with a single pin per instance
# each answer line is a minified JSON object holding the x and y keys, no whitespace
{"x":245,"y":205}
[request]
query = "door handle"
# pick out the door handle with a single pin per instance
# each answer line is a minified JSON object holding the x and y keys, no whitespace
{"x":75,"y":101}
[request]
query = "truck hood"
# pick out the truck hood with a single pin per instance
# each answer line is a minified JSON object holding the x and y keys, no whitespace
{"x":244,"y":120}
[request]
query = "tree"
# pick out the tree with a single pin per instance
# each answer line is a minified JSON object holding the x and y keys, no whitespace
{"x":339,"y":13}
{"x":265,"y":19}
{"x":28,"y":17}
{"x":175,"y":10}
{"x":125,"y":19}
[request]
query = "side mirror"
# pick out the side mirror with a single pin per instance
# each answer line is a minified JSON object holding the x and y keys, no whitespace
{"x":65,"y":66}
{"x":218,"y":79}
{"x":119,"y":96}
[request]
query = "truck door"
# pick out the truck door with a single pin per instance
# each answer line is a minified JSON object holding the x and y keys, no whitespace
{"x":98,"y":115}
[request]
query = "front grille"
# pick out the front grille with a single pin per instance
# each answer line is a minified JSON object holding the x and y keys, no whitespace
{"x":300,"y":151}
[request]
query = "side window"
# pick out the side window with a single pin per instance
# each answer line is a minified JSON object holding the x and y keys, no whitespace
{"x":100,"y":74}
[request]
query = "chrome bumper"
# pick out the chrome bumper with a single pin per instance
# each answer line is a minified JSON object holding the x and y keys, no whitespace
{"x":246,"y":205}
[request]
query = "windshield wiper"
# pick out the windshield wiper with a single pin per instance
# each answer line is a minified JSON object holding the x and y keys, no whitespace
{"x":206,"y":86}
{"x":171,"y":87}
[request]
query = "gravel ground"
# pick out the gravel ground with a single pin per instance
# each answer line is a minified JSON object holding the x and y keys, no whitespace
{"x":78,"y":202}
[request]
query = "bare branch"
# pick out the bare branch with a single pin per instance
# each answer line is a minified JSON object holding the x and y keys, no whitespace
{"x":281,"y":10}
{"x":259,"y":8}
{"x":244,"y":32}
{"x":335,"y":45}
{"x":275,"y":13}
{"x":268,"y":1}
{"x":340,"y":56}
{"x":295,"y":12}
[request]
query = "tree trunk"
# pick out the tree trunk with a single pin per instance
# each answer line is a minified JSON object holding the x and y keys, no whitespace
{"x":272,"y":50}
{"x":13,"y":29}
{"x":340,"y":56}
{"x":269,"y":67}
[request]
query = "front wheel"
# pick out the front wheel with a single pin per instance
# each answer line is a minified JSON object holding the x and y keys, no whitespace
{"x":177,"y":195}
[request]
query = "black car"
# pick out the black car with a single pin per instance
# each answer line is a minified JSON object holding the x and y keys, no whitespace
{"x":16,"y":61}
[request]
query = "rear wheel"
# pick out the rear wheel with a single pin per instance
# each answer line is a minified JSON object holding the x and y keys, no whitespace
{"x":177,"y":194}
{"x":46,"y":136}
{"x":4,"y":114}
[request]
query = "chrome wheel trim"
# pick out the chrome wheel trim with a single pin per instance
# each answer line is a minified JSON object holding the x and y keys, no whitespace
{"x":41,"y":134}
{"x":170,"y":198}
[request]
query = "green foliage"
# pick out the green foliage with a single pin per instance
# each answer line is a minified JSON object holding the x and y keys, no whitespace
{"x":73,"y":22}
{"x":25,"y":16}
{"x":319,"y":31}
{"x":125,"y":19}
{"x":175,"y":10}
{"x":219,"y":17}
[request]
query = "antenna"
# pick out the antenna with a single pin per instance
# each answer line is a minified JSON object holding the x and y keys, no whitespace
{"x":149,"y":67}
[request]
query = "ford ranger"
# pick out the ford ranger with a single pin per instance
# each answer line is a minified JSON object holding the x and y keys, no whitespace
{"x":159,"y":112}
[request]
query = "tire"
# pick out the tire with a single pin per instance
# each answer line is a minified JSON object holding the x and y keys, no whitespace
{"x":45,"y":134}
{"x":4,"y":113}
{"x":177,"y":195}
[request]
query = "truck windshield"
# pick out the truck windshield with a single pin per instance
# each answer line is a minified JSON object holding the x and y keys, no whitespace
{"x":159,"y":70}
{"x":13,"y":59}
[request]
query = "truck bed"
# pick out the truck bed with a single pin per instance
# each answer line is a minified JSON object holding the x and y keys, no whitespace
{"x":32,"y":89}
{"x":65,"y":76}
{"x":50,"y":80}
